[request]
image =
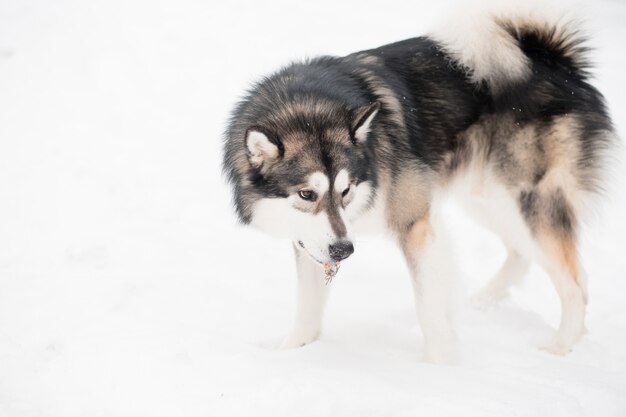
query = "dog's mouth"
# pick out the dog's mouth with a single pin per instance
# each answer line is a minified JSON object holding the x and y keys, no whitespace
{"x":326,"y":264}
{"x":301,"y":244}
{"x":330,"y":268}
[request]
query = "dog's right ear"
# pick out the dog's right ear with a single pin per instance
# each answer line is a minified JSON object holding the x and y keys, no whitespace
{"x":262,"y":149}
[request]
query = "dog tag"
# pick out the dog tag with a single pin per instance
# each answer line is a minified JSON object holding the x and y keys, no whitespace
{"x":330,"y":269}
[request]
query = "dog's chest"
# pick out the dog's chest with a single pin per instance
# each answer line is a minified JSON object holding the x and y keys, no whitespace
{"x":372,"y":221}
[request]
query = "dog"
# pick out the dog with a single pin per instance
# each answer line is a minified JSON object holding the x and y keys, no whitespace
{"x":504,"y":117}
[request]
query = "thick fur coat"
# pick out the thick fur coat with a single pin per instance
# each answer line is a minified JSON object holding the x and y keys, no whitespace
{"x":506,"y":119}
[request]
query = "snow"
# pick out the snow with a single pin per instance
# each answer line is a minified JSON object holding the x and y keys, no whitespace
{"x":128,"y":289}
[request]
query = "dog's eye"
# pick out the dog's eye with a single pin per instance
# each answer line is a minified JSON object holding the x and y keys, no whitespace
{"x":307,"y":195}
{"x":345,"y":192}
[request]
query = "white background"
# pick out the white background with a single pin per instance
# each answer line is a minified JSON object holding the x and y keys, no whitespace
{"x":128,"y":289}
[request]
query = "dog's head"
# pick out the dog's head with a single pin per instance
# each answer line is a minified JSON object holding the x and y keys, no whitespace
{"x":301,"y":169}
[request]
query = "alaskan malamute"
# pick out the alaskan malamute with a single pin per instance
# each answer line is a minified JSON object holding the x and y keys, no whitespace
{"x":328,"y":147}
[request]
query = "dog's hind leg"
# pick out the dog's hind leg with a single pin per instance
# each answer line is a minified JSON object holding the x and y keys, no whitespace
{"x":562,"y":265}
{"x":312,"y":294}
{"x":511,"y":273}
{"x":554,"y":223}
{"x":425,"y":252}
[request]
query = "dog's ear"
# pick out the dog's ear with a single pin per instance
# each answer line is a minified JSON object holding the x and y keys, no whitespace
{"x":262,"y":148}
{"x":361,"y":121}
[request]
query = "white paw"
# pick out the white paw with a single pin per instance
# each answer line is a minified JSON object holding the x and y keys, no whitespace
{"x":444,"y":354}
{"x":486,"y":299}
{"x":298,"y":339}
{"x":437,"y":359}
{"x":556,"y":348}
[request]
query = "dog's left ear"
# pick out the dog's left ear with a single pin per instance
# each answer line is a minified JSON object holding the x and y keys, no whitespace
{"x":361,"y":120}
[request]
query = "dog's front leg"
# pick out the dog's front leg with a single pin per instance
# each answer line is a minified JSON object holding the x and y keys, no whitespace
{"x":312,"y":293}
{"x":426,"y":255}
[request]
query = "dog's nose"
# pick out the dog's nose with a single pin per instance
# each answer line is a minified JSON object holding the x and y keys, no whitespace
{"x":340,"y":250}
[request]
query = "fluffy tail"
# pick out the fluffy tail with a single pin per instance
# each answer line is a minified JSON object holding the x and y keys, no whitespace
{"x":559,"y":42}
{"x":500,"y":51}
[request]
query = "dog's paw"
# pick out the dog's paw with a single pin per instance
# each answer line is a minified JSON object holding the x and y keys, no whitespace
{"x":486,"y":299}
{"x":298,"y":339}
{"x":442,"y":353}
{"x":556,"y":348}
{"x":440,"y":358}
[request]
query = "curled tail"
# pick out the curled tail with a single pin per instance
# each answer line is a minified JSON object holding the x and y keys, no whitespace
{"x":499,"y":52}
{"x":558,"y":43}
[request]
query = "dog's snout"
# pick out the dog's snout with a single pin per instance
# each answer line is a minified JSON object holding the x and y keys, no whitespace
{"x":340,"y":250}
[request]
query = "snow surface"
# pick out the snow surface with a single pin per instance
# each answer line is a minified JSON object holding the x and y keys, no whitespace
{"x":128,"y":289}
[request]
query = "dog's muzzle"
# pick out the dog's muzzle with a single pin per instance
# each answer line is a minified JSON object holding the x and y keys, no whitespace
{"x":335,"y":252}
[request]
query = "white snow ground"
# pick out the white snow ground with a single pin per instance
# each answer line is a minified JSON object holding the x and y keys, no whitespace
{"x":128,"y":289}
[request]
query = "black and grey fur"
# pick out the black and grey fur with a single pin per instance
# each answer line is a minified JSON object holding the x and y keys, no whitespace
{"x":513,"y":124}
